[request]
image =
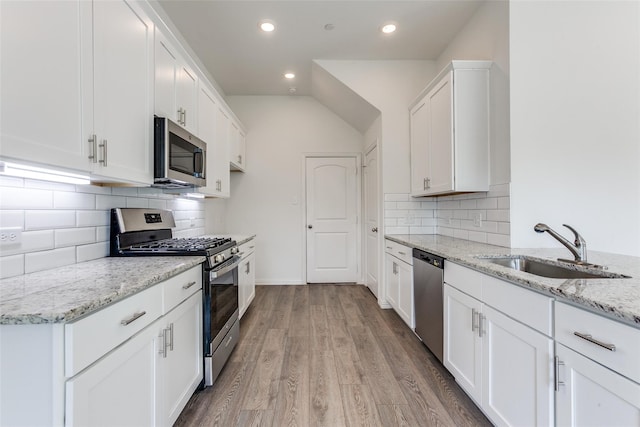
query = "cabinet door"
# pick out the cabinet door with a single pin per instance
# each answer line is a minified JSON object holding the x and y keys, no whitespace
{"x":181,"y":359}
{"x":591,"y":395}
{"x":209,"y":121}
{"x":440,"y":146}
{"x":119,"y":389}
{"x":405,"y":293}
{"x":41,"y":82}
{"x":517,"y":372}
{"x":246,"y":283}
{"x":420,"y":167}
{"x":166,"y":70}
{"x":187,"y":97}
{"x":462,"y":344}
{"x":237,"y":147}
{"x":393,"y":280}
{"x":123,"y":91}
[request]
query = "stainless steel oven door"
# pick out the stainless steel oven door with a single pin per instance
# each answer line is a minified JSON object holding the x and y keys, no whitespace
{"x":221,"y":303}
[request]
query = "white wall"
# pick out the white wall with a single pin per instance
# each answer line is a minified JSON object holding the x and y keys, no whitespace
{"x":575,"y":113}
{"x":390,"y":86}
{"x":267,"y":198}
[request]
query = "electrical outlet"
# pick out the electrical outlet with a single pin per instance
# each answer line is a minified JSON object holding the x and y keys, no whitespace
{"x":10,"y":236}
{"x":477,"y":219}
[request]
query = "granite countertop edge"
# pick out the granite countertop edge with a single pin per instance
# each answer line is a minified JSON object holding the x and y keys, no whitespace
{"x":618,"y":299}
{"x":83,"y":288}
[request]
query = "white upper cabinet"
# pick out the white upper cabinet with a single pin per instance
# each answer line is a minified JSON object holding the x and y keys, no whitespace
{"x":176,"y":85}
{"x":237,"y":157}
{"x":450,"y":132}
{"x":41,"y":83}
{"x":122,"y":92}
{"x":213,"y":129}
{"x":77,"y":87}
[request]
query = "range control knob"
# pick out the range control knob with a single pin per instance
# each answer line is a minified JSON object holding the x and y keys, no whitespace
{"x":218,"y":258}
{"x":234,"y":250}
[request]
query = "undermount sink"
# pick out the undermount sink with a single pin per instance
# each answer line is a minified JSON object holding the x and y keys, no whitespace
{"x":550,"y":269}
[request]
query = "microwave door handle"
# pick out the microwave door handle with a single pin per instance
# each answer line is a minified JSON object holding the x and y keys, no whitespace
{"x":214,"y":274}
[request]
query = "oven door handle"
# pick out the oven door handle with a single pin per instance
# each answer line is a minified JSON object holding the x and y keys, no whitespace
{"x":214,"y":274}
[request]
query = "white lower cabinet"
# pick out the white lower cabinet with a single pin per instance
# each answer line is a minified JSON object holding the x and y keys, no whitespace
{"x":598,"y":370}
{"x":504,"y":365}
{"x":180,"y":350}
{"x":246,"y":277}
{"x":399,"y":281}
{"x":119,"y":389}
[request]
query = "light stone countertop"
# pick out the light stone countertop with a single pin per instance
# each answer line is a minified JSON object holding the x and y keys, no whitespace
{"x":618,"y":299}
{"x":66,"y":293}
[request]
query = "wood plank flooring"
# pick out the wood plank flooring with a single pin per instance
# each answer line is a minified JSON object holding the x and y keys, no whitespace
{"x":327,"y":355}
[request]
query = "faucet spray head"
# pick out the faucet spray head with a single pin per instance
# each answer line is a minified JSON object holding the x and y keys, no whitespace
{"x":541,"y":228}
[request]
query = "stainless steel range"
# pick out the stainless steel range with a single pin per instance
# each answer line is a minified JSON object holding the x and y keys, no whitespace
{"x":147,"y":232}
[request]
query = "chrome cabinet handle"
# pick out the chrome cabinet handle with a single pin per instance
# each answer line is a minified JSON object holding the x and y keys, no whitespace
{"x":557,"y":382}
{"x":424,"y":183}
{"x":474,"y":320}
{"x":240,"y":158}
{"x":389,"y":247}
{"x":163,"y":347}
{"x":428,"y":183}
{"x":171,"y":337}
{"x":180,"y":116}
{"x":395,"y":268}
{"x":587,"y":337}
{"x":248,"y":268}
{"x":104,"y":152}
{"x":184,"y":117}
{"x":228,"y":341}
{"x":133,"y":318}
{"x":401,"y":253}
{"x":93,"y":148}
{"x":482,"y":320}
{"x":188,"y":285}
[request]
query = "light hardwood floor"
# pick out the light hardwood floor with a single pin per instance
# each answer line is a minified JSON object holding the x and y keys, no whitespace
{"x":327,"y":355}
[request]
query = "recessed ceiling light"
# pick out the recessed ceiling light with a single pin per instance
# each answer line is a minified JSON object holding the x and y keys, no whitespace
{"x":267,"y":26}
{"x":388,"y":28}
{"x":289,"y":75}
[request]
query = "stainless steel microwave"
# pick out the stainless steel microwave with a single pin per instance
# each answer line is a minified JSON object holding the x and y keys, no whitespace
{"x":179,"y":156}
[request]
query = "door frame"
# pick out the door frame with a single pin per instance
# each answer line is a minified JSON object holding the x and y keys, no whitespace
{"x":303,"y":208}
{"x":380,"y":234}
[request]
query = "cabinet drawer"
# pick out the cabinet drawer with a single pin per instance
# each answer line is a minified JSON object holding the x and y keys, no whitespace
{"x":626,"y":339}
{"x":464,"y":279}
{"x":89,"y":338}
{"x":247,"y":248}
{"x":181,"y":287}
{"x":529,"y":307}
{"x":402,"y":252}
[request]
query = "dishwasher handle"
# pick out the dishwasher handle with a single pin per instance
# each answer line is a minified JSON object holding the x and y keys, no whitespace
{"x":431,"y":259}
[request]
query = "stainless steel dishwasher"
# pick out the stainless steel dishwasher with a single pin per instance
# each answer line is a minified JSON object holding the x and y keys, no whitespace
{"x":428,"y":273}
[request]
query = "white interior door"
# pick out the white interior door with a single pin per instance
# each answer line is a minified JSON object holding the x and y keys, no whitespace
{"x":372,"y":257}
{"x":332,"y":204}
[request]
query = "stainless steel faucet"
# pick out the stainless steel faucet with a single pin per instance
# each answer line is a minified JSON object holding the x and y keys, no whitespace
{"x":578,"y":248}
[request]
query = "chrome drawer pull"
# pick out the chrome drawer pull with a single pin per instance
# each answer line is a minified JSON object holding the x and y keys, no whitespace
{"x":133,"y":318}
{"x":474,"y":319}
{"x":401,"y":253}
{"x":188,"y":285}
{"x":558,"y":383}
{"x":592,"y":340}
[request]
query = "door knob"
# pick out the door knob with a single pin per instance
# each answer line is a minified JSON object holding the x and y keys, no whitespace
{"x":374,"y":229}
{"x":309,"y":226}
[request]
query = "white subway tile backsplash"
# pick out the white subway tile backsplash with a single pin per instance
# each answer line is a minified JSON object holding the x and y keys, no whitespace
{"x":429,"y":205}
{"x":504,"y":228}
{"x":93,"y":251}
{"x":461,"y":234}
{"x":408,"y":205}
{"x":45,"y":260}
{"x":504,"y":203}
{"x":499,"y":215}
{"x":390,"y":222}
{"x":136,"y":202}
{"x":92,"y":218}
{"x":67,"y":200}
{"x":429,"y":222}
{"x":488,"y":203}
{"x":74,"y":236}
{"x":108,"y":202}
{"x":11,"y":218}
{"x":396,"y":213}
{"x":11,"y":266}
{"x":32,"y":241}
{"x":396,"y":230}
{"x":64,"y":224}
{"x":468,"y":204}
{"x":499,"y":240}
{"x":43,"y":219}
{"x":390,"y":205}
{"x":22,"y":198}
{"x":421,"y":230}
{"x":102,"y":234}
{"x":477,"y":236}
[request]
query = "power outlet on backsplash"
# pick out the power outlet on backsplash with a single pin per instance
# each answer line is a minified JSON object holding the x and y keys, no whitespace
{"x":10,"y":236}
{"x":477,"y":219}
